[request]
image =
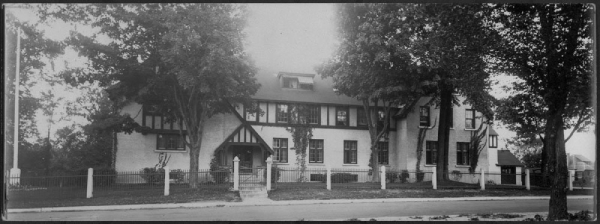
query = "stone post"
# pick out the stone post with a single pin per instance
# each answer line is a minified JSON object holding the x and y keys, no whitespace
{"x":527,"y":181}
{"x":382,"y":178}
{"x":167,"y":180}
{"x":90,"y":183}
{"x":482,"y":180}
{"x":328,"y":178}
{"x":571,"y":179}
{"x":434,"y":178}
{"x":236,"y":173}
{"x":269,"y":167}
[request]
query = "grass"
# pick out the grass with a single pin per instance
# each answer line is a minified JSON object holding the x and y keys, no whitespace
{"x":77,"y":197}
{"x":362,"y":193}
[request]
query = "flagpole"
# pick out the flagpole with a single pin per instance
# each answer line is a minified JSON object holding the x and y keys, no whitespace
{"x":15,"y":172}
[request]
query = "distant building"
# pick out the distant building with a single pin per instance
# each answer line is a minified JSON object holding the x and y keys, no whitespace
{"x":584,"y":167}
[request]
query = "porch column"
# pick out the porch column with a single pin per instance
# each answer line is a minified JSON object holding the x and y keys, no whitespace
{"x":269,"y":164}
{"x":236,"y":173}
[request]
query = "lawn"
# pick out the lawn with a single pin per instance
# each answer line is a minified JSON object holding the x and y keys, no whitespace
{"x":117,"y":196}
{"x":364,"y":193}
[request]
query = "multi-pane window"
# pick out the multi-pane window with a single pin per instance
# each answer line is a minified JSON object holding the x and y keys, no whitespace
{"x":431,"y":152}
{"x":361,"y":116}
{"x":380,"y":119}
{"x":350,"y":152}
{"x":314,"y":114}
{"x":315,"y":151}
{"x":282,"y":113}
{"x":280,"y":147}
{"x":470,"y":119}
{"x":462,"y":153}
{"x":172,"y":142}
{"x":383,"y":152}
{"x":424,"y":116}
{"x":341,"y":116}
{"x":493,"y":141}
{"x":290,"y":83}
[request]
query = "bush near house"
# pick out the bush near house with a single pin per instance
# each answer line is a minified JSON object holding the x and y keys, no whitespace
{"x":343,"y":177}
{"x":152,"y":175}
{"x":391,"y":177}
{"x":318,"y":177}
{"x":420,"y":176}
{"x":404,"y":176}
{"x":275,"y":174}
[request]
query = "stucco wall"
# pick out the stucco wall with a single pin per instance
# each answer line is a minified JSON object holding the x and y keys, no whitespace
{"x":408,"y":131}
{"x":136,"y":151}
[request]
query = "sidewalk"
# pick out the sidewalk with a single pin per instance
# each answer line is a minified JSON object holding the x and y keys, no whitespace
{"x":276,"y":203}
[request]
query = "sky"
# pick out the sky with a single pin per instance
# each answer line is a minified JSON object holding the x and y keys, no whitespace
{"x":291,"y":38}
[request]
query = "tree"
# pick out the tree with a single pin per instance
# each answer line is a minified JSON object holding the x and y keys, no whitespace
{"x":370,"y":65}
{"x":187,"y":60}
{"x":396,"y":53}
{"x":527,"y":150}
{"x":548,"y":46}
{"x":523,"y":113}
{"x":35,"y":51}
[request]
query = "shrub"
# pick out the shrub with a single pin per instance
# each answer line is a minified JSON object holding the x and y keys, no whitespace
{"x":420,"y":176}
{"x":580,"y":216}
{"x":275,"y":174}
{"x":219,"y":174}
{"x":404,"y":176}
{"x":456,"y":175}
{"x":152,"y":175}
{"x":343,"y":177}
{"x":177,"y":175}
{"x":391,"y":177}
{"x":318,"y":177}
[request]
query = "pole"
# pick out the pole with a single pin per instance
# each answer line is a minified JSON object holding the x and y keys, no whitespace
{"x":236,"y":173}
{"x":328,"y":178}
{"x":527,"y":181}
{"x":167,"y":180}
{"x":571,"y":178}
{"x":482,"y":180}
{"x":90,"y":183}
{"x":382,"y":177}
{"x":434,"y":179}
{"x":269,"y":164}
{"x":15,"y":172}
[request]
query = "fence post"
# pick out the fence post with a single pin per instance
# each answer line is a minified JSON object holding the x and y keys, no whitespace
{"x":527,"y":181}
{"x":434,"y":178}
{"x":571,"y":178}
{"x":167,"y":180}
{"x":382,"y":173}
{"x":90,"y":183}
{"x":482,"y":182}
{"x":269,"y":167}
{"x":328,"y":178}
{"x":236,"y":173}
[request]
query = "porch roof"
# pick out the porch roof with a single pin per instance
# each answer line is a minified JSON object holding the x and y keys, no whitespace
{"x":245,"y":134}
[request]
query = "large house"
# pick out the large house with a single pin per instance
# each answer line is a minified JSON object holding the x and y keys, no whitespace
{"x":340,"y":135}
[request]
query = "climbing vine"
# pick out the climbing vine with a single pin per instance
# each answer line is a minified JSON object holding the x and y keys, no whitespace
{"x":301,"y":131}
{"x":421,"y":139}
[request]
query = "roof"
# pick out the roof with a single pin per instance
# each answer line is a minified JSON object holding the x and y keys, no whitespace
{"x":322,"y":90}
{"x":493,"y":132}
{"x":582,"y":158}
{"x":506,"y":158}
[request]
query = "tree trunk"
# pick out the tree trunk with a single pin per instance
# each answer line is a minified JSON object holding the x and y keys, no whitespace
{"x":113,"y":159}
{"x":196,"y":142}
{"x":556,"y":145}
{"x":444,"y":132}
{"x":544,"y":165}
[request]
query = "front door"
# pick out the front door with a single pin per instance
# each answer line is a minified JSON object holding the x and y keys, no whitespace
{"x":508,"y":175}
{"x":244,"y":153}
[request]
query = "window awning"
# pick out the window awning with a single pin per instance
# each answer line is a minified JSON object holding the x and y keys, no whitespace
{"x":305,"y":80}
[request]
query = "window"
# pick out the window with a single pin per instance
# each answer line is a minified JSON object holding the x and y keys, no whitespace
{"x":424,"y":116}
{"x":470,"y":119}
{"x":280,"y":147}
{"x":361,"y":117}
{"x":383,"y":152}
{"x":315,"y":151}
{"x":431,"y":152}
{"x":314,"y":114}
{"x":282,"y":113}
{"x":341,"y":116}
{"x":290,"y":83}
{"x":380,"y":119}
{"x":350,"y":152}
{"x":493,"y":141}
{"x":173,"y":142}
{"x":462,"y":153}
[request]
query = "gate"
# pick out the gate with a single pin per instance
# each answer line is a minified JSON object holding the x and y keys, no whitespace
{"x":253,"y":177}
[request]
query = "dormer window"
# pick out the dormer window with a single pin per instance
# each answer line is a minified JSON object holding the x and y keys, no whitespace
{"x":296,"y":80}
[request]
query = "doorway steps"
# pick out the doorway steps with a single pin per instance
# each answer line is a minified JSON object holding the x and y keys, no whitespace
{"x":254,"y":192}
